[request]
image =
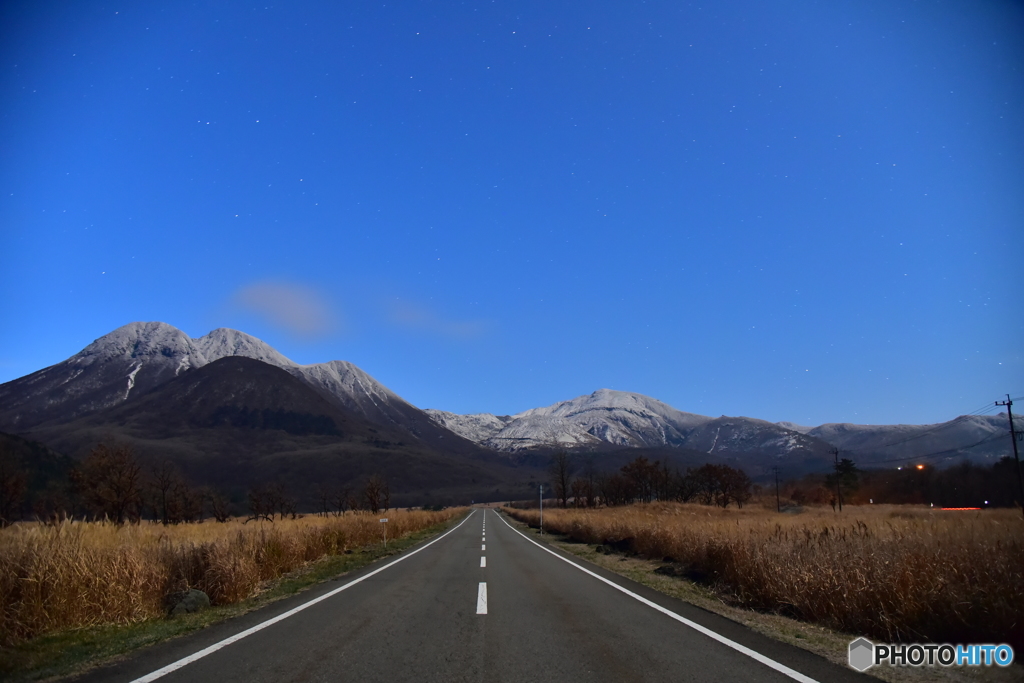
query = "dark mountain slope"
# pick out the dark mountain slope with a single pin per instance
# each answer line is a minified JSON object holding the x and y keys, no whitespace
{"x":238,"y":422}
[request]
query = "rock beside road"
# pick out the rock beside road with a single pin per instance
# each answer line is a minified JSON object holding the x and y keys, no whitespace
{"x":187,"y":602}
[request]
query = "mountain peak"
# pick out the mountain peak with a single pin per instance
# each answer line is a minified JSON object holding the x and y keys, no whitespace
{"x":224,"y":342}
{"x":607,"y":416}
{"x":140,"y":342}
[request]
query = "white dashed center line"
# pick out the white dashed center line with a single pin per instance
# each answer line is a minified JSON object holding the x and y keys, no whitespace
{"x":481,"y":598}
{"x":483,"y":561}
{"x":483,"y":546}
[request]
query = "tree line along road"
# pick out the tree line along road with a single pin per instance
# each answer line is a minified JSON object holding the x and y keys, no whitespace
{"x":482,"y":602}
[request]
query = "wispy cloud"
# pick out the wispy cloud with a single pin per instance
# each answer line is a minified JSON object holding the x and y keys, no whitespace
{"x":298,"y":309}
{"x":422,"y":319}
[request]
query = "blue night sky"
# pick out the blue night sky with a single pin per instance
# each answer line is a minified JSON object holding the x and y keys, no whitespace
{"x":806,"y":211}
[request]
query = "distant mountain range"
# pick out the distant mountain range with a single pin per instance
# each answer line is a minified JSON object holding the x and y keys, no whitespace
{"x":616,"y":418}
{"x":228,"y":407}
{"x":609,"y":418}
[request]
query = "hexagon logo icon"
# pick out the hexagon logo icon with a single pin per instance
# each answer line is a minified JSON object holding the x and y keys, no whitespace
{"x":862,"y":654}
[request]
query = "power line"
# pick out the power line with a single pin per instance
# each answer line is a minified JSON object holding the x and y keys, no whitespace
{"x":935,"y":454}
{"x":977,"y":412}
{"x":990,"y":437}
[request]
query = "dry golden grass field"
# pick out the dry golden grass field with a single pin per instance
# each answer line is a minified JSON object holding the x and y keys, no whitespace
{"x":895,"y":573}
{"x":77,"y":574}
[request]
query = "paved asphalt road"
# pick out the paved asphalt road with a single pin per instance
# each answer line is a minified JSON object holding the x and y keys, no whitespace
{"x":481,"y":603}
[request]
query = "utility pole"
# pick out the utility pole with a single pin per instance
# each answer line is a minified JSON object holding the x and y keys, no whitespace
{"x":542,"y":509}
{"x":1013,"y":437}
{"x":778,"y":505}
{"x":839,"y":491}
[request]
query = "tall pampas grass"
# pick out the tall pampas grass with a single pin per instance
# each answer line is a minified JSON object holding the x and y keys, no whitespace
{"x":895,"y":573}
{"x":76,"y":574}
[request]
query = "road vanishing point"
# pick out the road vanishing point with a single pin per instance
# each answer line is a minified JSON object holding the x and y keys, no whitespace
{"x":481,"y":602}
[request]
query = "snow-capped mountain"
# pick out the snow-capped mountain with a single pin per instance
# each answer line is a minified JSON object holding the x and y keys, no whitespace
{"x":139,"y":356}
{"x":617,"y":418}
{"x":624,"y":419}
{"x":132,"y":360}
{"x":128,"y":361}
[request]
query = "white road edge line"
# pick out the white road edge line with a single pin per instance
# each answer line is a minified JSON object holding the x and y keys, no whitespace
{"x":159,"y":673}
{"x":483,"y":562}
{"x":781,"y":668}
{"x":481,"y":598}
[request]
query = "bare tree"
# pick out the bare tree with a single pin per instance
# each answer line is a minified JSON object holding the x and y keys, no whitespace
{"x":616,"y":489}
{"x":735,"y":485}
{"x":685,"y":486}
{"x":112,"y":483}
{"x":561,"y":476}
{"x":219,"y":505}
{"x":641,"y":474}
{"x":261,"y":504}
{"x":323,"y":496}
{"x":373,"y":492}
{"x":161,"y":482}
{"x":188,"y":502}
{"x":342,"y":496}
{"x":661,"y":479}
{"x":715,"y":485}
{"x":705,"y":484}
{"x":590,"y":477}
{"x":353,"y":501}
{"x":578,"y":489}
{"x":280,"y":501}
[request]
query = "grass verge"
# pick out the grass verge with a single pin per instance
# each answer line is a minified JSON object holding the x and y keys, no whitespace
{"x":820,"y":640}
{"x":58,"y":655}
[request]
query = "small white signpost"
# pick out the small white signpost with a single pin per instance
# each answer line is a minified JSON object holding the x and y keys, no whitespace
{"x":542,"y":509}
{"x":385,"y":523}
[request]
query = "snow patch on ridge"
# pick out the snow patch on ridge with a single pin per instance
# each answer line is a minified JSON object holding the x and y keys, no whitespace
{"x":477,"y":427}
{"x":131,"y":380}
{"x":76,"y":373}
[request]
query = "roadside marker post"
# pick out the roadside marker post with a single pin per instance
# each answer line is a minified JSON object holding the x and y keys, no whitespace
{"x":542,"y":509}
{"x":385,"y":523}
